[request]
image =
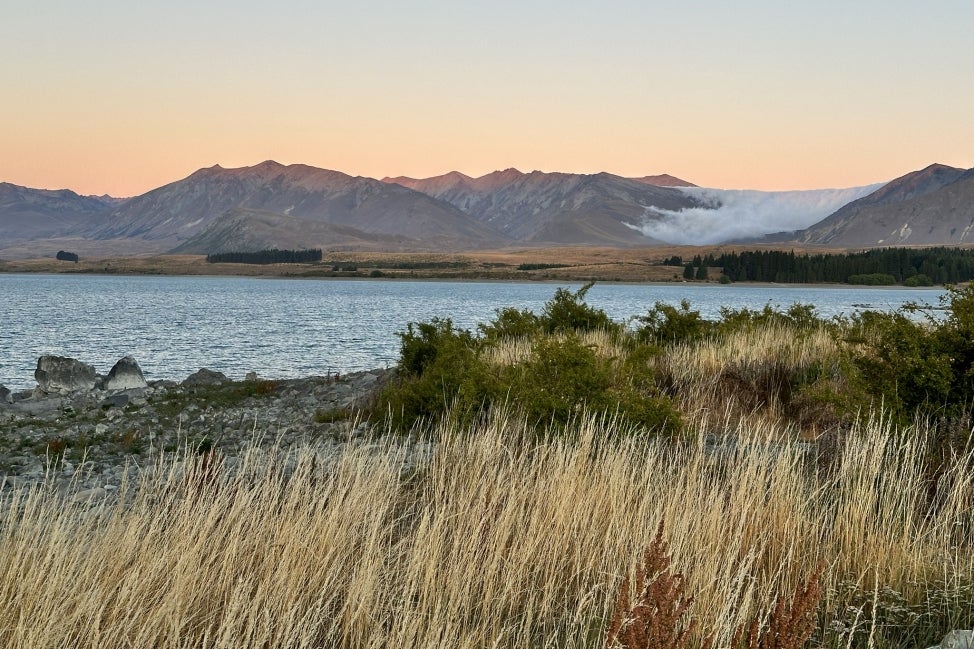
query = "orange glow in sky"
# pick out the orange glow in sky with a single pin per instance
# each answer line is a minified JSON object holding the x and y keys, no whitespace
{"x":124,"y":98}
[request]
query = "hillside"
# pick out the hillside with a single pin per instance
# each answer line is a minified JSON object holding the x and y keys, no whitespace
{"x":556,"y":208}
{"x":243,"y":229}
{"x":933,"y":206}
{"x":27,"y":214}
{"x":175,"y":213}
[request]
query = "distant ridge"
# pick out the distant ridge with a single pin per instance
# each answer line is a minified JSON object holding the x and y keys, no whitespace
{"x":28,"y":214}
{"x":932,"y":206}
{"x":556,"y":208}
{"x":217,"y":209}
{"x":179,"y":211}
{"x":664,"y":180}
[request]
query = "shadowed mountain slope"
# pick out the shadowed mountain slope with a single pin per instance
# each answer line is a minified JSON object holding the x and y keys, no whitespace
{"x":932,"y":206}
{"x":663,"y":180}
{"x":247,"y":230}
{"x":27,"y":214}
{"x":556,"y":208}
{"x":179,"y":211}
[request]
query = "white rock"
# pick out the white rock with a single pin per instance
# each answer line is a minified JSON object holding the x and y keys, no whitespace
{"x":88,"y":495}
{"x":958,"y":639}
{"x":125,"y":375}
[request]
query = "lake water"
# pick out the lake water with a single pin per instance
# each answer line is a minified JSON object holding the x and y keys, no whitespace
{"x":288,"y":328}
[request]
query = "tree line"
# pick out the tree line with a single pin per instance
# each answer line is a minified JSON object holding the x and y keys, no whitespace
{"x":271,"y":256}
{"x":908,"y":266}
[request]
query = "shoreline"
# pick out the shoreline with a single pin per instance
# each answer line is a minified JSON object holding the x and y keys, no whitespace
{"x":579,"y":273}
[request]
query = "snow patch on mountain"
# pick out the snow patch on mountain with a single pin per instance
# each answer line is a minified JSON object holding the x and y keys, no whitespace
{"x":731,"y":214}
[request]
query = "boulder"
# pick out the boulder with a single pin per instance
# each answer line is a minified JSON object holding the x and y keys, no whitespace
{"x":63,"y":375}
{"x":6,"y":396}
{"x":125,"y":375}
{"x":205,"y":377}
{"x":957,"y":639}
{"x":119,"y":400}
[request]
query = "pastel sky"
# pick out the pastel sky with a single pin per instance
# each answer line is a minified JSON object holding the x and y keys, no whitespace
{"x":121,"y":96}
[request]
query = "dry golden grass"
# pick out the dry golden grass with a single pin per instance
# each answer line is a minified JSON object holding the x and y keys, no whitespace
{"x":511,"y":351}
{"x":749,"y":372}
{"x":490,"y":539}
{"x":582,"y":263}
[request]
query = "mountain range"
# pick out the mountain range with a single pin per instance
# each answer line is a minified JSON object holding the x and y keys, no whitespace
{"x":298,"y":206}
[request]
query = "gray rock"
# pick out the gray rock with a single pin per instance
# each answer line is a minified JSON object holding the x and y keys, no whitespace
{"x":5,"y":395}
{"x":88,"y":495}
{"x":125,"y":375}
{"x":64,"y":375}
{"x":116,"y":401}
{"x":958,"y":639}
{"x":41,"y":408}
{"x":14,"y":482}
{"x":205,"y":377}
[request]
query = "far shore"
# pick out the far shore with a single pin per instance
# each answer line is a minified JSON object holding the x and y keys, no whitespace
{"x":576,"y":264}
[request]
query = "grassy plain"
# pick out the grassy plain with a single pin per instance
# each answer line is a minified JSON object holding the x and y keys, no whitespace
{"x":559,"y":264}
{"x":494,"y":539}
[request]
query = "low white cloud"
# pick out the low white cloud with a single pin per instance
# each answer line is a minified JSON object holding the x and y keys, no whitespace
{"x":740,"y":213}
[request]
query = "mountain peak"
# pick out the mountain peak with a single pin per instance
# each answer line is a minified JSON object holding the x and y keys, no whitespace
{"x":663,"y":180}
{"x":930,"y":206}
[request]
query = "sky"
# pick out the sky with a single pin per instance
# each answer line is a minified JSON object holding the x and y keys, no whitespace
{"x":119,"y":97}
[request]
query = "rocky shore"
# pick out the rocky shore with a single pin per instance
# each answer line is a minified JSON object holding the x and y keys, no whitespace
{"x":81,"y":432}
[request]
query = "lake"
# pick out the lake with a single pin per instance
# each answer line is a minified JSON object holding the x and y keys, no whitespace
{"x":282,"y":328}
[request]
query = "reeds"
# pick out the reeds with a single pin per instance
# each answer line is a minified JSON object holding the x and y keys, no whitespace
{"x":486,"y":537}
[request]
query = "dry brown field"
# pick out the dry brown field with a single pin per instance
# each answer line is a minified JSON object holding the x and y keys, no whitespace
{"x":563,"y":263}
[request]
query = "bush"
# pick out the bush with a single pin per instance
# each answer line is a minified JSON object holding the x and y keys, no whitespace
{"x":872,"y":279}
{"x":443,"y":369}
{"x":665,"y":323}
{"x":899,"y":361}
{"x":567,"y":311}
{"x":922,"y":367}
{"x":918,"y":280}
{"x":434,"y":359}
{"x":511,"y":323}
{"x":801,"y":317}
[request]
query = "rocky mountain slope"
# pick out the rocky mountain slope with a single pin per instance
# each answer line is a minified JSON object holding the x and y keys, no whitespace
{"x":27,"y":214}
{"x":175,"y":213}
{"x":664,"y":180}
{"x":556,"y":208}
{"x":242,"y":229}
{"x":932,"y":206}
{"x":298,"y":206}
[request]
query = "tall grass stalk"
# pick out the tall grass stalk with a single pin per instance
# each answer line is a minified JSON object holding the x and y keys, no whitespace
{"x":491,"y":539}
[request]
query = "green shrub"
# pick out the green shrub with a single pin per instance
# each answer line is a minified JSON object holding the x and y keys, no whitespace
{"x":511,"y":323}
{"x":900,"y":361}
{"x":871,"y":279}
{"x":567,"y":311}
{"x":918,"y":280}
{"x":424,"y":342}
{"x":443,"y":370}
{"x":561,"y":378}
{"x":434,"y":359}
{"x":801,"y":317}
{"x":667,"y":324}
